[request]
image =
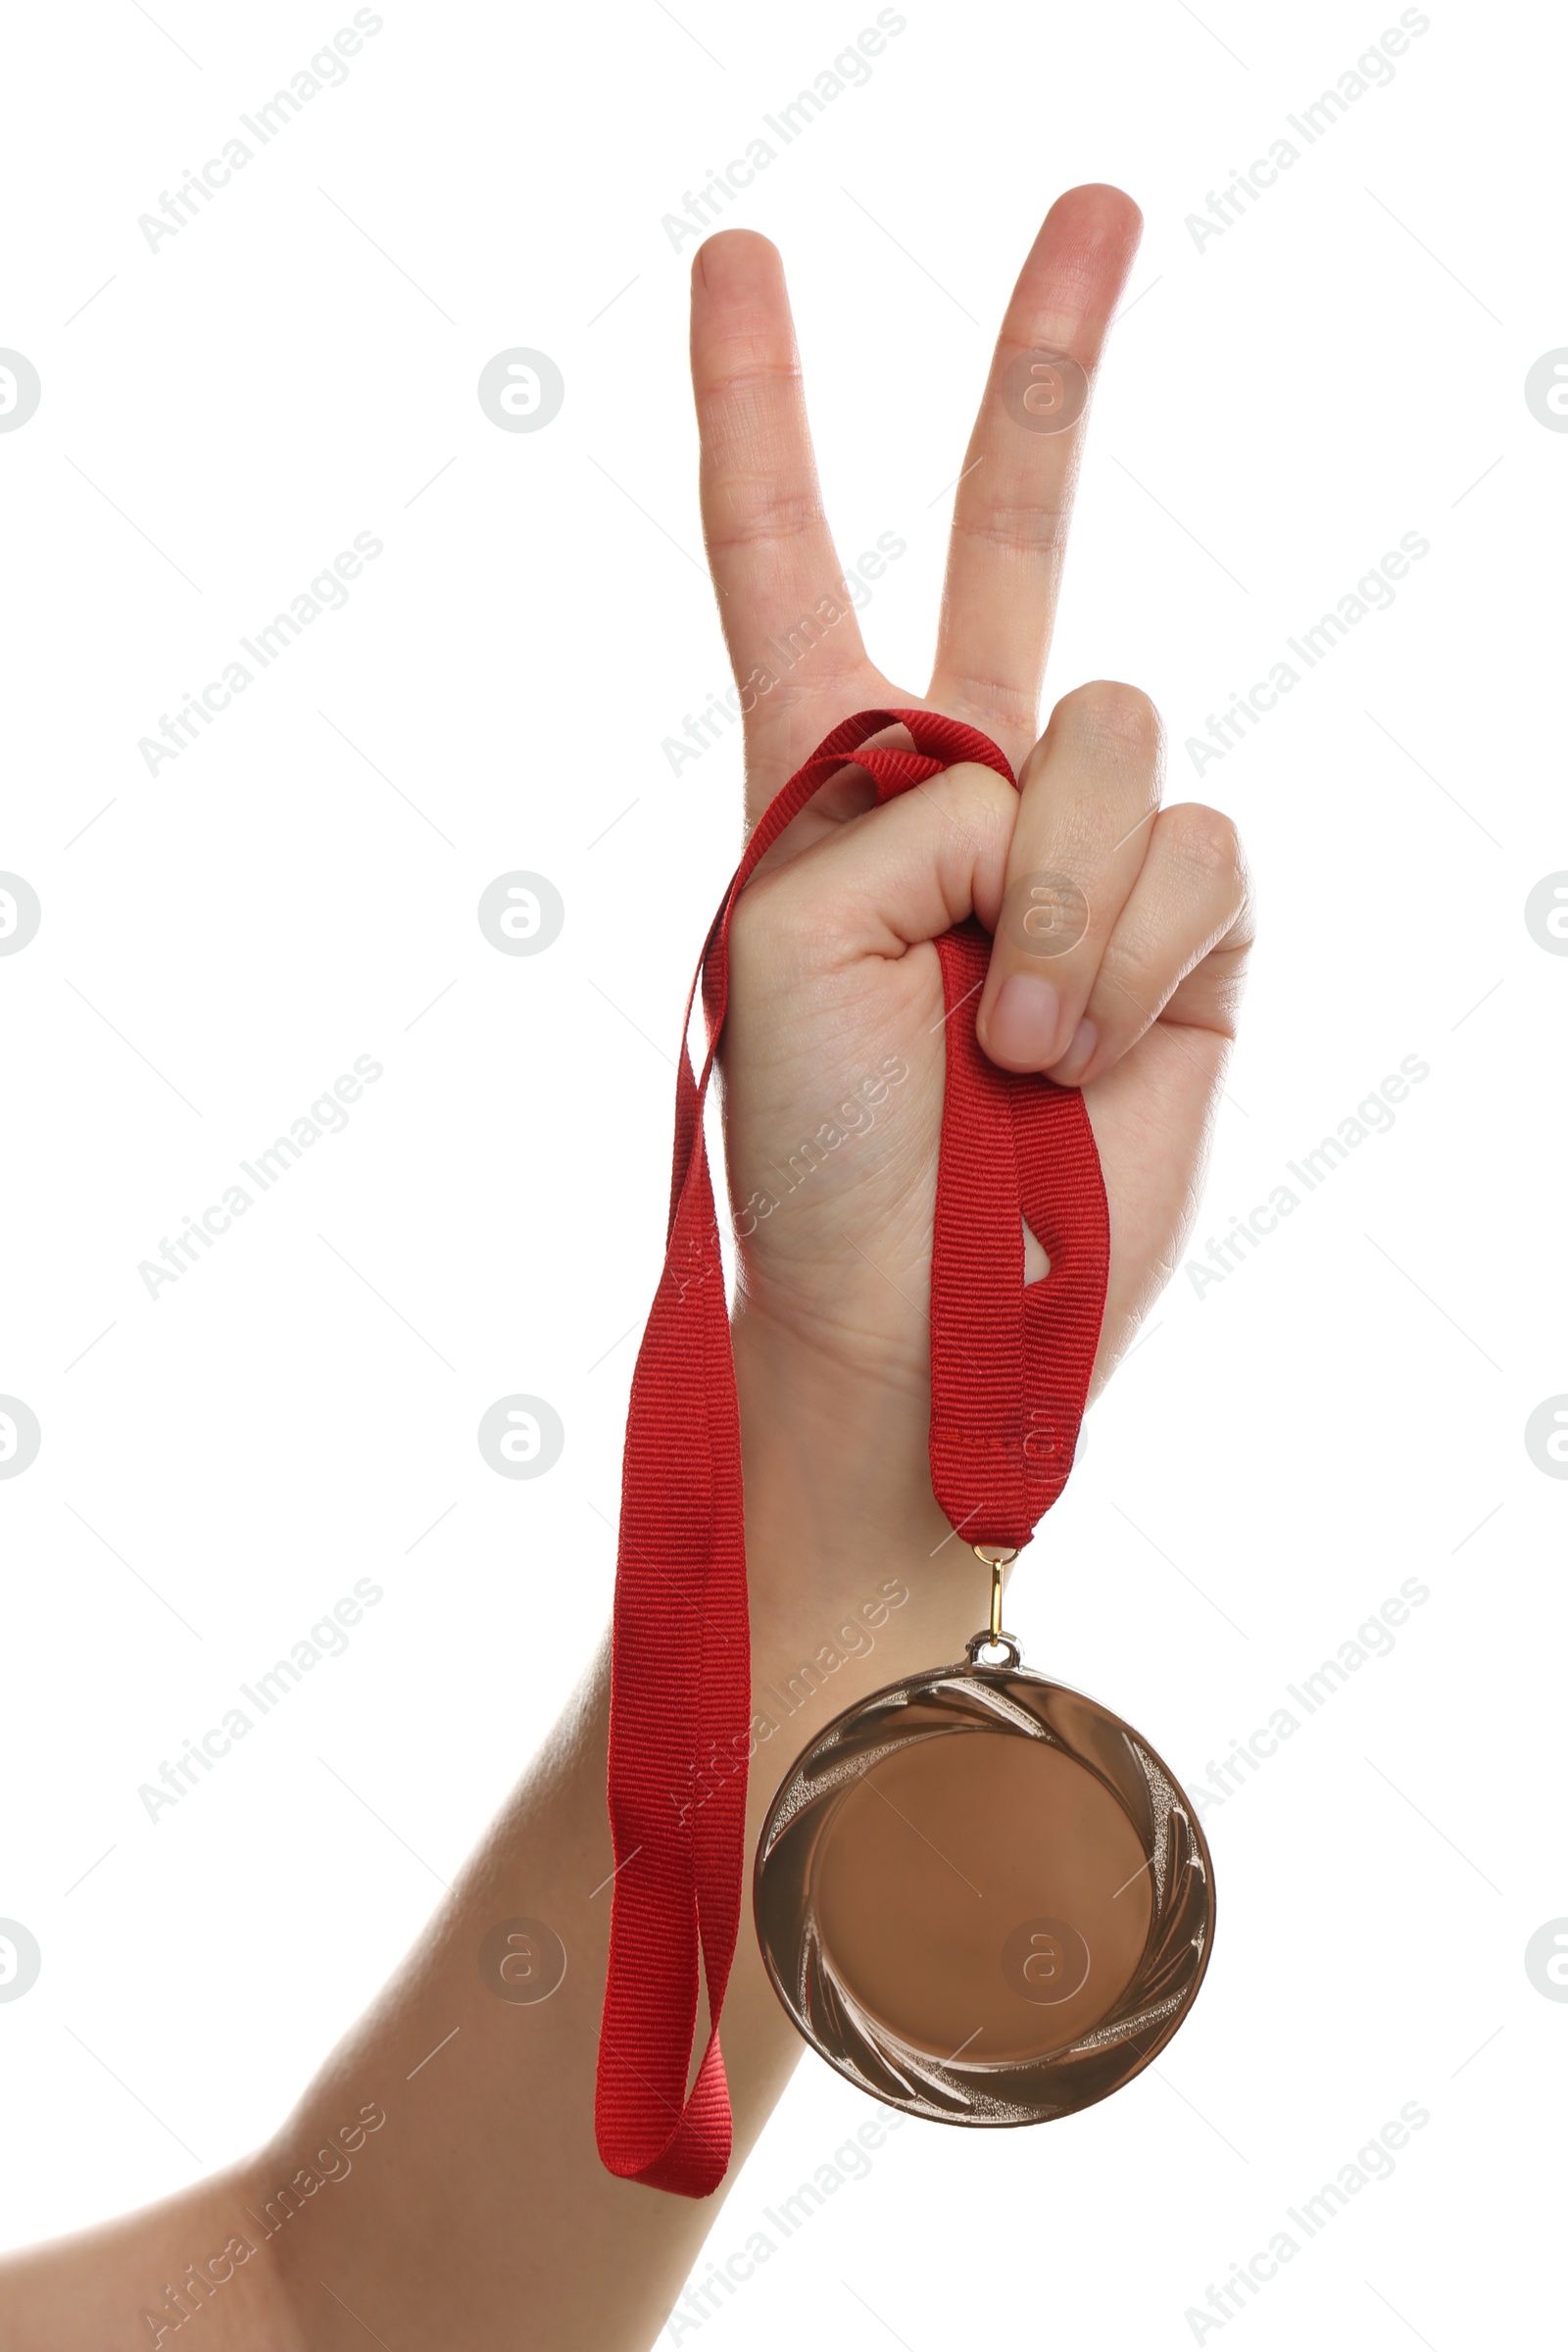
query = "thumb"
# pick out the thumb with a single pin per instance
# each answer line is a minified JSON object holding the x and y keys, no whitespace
{"x":889,"y":878}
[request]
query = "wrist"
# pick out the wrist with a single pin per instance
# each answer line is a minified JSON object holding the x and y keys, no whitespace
{"x":856,"y":1577}
{"x":835,"y":1453}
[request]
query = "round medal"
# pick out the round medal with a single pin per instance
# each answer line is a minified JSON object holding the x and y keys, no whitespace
{"x":982,"y":1896}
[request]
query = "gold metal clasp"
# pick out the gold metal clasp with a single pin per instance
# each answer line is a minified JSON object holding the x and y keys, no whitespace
{"x":996,"y":1556}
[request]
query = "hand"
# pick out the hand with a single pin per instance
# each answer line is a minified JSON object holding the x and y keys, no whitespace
{"x":833,"y":1056}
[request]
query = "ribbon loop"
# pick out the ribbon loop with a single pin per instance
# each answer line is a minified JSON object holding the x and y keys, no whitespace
{"x":1009,"y":1373}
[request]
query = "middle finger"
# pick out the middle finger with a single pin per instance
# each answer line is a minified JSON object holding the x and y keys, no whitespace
{"x":1009,"y":521}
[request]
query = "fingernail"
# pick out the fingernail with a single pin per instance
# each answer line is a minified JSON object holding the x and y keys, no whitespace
{"x":1079,"y":1055}
{"x":1024,"y":1021}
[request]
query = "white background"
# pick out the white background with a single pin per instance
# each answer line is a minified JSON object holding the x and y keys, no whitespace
{"x":1343,"y":365}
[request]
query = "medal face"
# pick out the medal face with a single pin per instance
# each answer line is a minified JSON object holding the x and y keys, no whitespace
{"x":982,"y":1897}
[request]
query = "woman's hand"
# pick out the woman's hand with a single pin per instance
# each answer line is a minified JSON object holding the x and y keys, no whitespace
{"x":1123,"y":928}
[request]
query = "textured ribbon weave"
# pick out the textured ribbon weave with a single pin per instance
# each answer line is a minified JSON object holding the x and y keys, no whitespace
{"x":1009,"y":1373}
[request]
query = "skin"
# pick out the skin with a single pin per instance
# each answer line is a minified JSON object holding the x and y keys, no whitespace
{"x":477,"y":2214}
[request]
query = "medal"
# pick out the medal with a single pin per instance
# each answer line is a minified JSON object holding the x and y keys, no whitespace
{"x":982,"y":1896}
{"x":979,"y":1895}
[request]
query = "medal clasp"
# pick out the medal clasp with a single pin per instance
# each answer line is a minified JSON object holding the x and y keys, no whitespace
{"x":995,"y":1558}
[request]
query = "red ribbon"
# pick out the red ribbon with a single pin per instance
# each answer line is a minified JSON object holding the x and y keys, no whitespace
{"x":1009,"y":1373}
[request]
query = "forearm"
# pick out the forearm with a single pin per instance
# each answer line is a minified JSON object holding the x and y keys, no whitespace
{"x":478,"y":2207}
{"x":488,"y":2170}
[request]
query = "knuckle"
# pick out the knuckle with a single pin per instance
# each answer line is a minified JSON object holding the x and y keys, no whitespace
{"x":980,"y":792}
{"x":1114,"y":718}
{"x":996,"y":705}
{"x":755,"y":511}
{"x":1209,"y":842}
{"x":981,"y":807}
{"x":1016,"y":526}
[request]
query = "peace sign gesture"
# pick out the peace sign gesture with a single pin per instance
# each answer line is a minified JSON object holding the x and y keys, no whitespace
{"x":1123,"y":928}
{"x":769,"y":545}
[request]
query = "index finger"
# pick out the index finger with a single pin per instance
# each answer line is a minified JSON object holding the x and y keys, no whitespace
{"x":782,"y":598}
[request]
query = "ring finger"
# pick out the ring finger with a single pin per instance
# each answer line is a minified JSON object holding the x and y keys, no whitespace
{"x":1176,"y":952}
{"x":1090,"y":791}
